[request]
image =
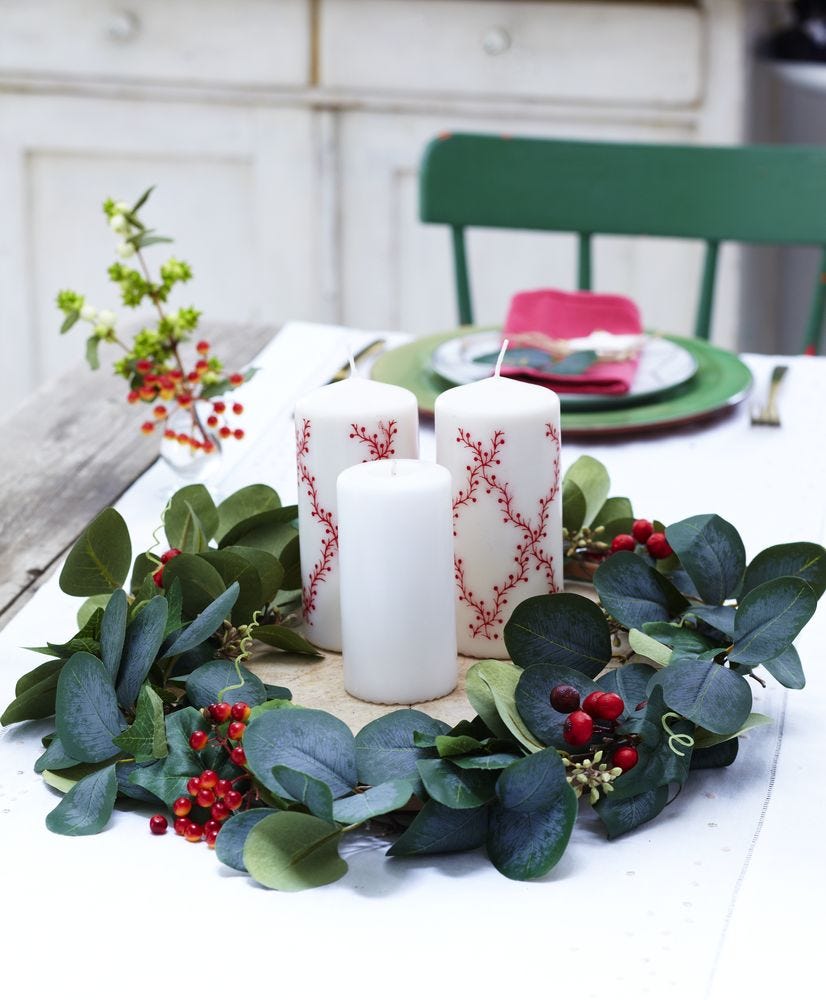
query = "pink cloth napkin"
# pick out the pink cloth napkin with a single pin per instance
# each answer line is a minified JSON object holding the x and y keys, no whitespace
{"x":568,"y":315}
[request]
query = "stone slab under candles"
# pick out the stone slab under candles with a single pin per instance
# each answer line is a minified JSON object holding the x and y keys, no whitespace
{"x":396,"y":573}
{"x":346,"y":423}
{"x":500,"y":440}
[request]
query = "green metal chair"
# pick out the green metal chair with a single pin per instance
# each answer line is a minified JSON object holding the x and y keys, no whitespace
{"x":747,"y":194}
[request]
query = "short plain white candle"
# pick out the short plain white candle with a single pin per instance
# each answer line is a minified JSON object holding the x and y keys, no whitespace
{"x":500,"y":440}
{"x":339,"y":425}
{"x":396,"y":564}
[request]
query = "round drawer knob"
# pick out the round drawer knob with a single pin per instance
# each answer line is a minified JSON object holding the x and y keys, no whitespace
{"x":496,"y":40}
{"x":123,"y":26}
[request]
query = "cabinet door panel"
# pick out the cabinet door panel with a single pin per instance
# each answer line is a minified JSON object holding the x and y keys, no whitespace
{"x":232,"y":188}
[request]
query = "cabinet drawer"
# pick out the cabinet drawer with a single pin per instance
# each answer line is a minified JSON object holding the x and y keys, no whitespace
{"x":608,"y":53}
{"x":254,"y":42}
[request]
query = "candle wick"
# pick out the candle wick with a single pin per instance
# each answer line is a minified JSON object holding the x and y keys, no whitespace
{"x":352,"y":360}
{"x":497,"y":371}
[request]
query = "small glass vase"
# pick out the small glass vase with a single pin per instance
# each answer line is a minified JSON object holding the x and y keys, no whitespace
{"x":190,"y":464}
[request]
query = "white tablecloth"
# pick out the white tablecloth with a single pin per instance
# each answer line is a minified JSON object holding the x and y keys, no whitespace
{"x":719,"y":897}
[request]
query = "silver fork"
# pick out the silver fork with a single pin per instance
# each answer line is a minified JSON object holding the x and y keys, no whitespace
{"x":768,"y":415}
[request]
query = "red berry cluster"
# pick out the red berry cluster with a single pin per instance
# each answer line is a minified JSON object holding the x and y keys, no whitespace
{"x":597,"y":714}
{"x":156,"y":383}
{"x":218,"y":796}
{"x":642,"y":533}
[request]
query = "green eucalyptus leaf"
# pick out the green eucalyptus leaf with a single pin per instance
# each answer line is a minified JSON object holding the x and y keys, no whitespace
{"x":200,"y":583}
{"x":36,"y":700}
{"x":711,"y":552}
{"x":99,"y":560}
{"x":237,"y":569}
{"x":307,"y":740}
{"x":143,"y":568}
{"x":124,"y":771}
{"x":87,"y":807}
{"x":113,"y":632}
{"x":682,"y":640}
{"x":309,"y":791}
{"x":386,"y":750}
{"x":287,"y":639}
{"x":615,"y":511}
{"x":54,"y":758}
{"x":704,"y":739}
{"x":143,"y":640}
{"x":720,"y":755}
{"x":385,"y":798}
{"x":190,"y":502}
{"x":721,"y":619}
{"x":787,"y":669}
{"x":86,"y":710}
{"x":244,"y":504}
{"x":210,"y":683}
{"x":208,"y":621}
{"x":145,"y":739}
{"x":291,"y":851}
{"x":454,"y":746}
{"x":533,"y":784}
{"x":229,"y":847}
{"x":574,"y":507}
{"x":711,"y":696}
{"x":454,"y":787}
{"x":497,"y":681}
{"x":269,"y":569}
{"x":592,"y":479}
{"x":803,"y":560}
{"x":622,"y":815}
{"x":90,"y":606}
{"x":533,"y":693}
{"x":28,"y":680}
{"x":259,"y":526}
{"x":769,"y":619}
{"x":440,"y":830}
{"x":653,"y":649}
{"x":527,"y":844}
{"x":290,"y":559}
{"x":559,"y":630}
{"x":635,"y":593}
{"x":487,"y":762}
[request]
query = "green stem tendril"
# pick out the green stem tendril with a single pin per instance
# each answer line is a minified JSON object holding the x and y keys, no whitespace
{"x":683,"y":739}
{"x":155,"y":539}
{"x":245,"y":643}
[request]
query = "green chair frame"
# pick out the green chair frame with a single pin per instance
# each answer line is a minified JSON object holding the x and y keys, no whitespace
{"x":746,"y":194}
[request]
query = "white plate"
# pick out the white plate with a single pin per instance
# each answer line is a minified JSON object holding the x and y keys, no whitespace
{"x":663,"y":365}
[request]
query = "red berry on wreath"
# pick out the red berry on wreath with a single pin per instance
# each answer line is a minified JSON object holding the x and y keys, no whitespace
{"x":625,"y":758}
{"x":222,"y":787}
{"x":564,"y":698}
{"x":193,"y":785}
{"x":578,"y":729}
{"x":240,"y":711}
{"x":198,"y":740}
{"x":233,"y":799}
{"x":642,"y":530}
{"x":589,"y":705}
{"x":208,"y":779}
{"x":219,"y":713}
{"x":158,"y":824}
{"x":238,"y":757}
{"x":658,"y":546}
{"x":609,"y":707}
{"x":169,"y":554}
{"x":623,"y":543}
{"x":194,"y":832}
{"x":235,"y":731}
{"x":221,"y":811}
{"x":180,"y":825}
{"x":182,"y":806}
{"x":157,"y":576}
{"x":206,"y":798}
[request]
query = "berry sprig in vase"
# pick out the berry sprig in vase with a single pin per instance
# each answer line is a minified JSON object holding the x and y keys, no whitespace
{"x":184,"y":394}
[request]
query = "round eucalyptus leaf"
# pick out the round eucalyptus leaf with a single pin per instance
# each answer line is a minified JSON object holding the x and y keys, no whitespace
{"x":593,"y":481}
{"x":87,"y":716}
{"x":623,"y":815}
{"x":533,"y":784}
{"x":217,"y":680}
{"x":201,"y":584}
{"x":385,"y":748}
{"x":559,"y":630}
{"x":804,"y":560}
{"x":292,"y":851}
{"x":86,"y":808}
{"x":440,"y":830}
{"x":635,"y":593}
{"x":787,"y":669}
{"x":630,"y":682}
{"x":229,"y":847}
{"x":711,"y":696}
{"x":526,"y":845}
{"x":191,"y":518}
{"x":711,"y":552}
{"x":244,"y":504}
{"x":99,"y":560}
{"x":377,"y":801}
{"x":769,"y":619}
{"x":307,"y":740}
{"x":455,"y":788}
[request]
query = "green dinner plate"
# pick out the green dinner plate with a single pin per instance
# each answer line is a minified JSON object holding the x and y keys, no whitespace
{"x":721,"y":382}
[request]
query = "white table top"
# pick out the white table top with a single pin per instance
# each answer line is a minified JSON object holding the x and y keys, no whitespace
{"x":718,"y":897}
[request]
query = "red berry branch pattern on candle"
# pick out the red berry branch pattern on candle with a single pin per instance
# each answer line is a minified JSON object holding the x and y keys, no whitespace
{"x":490,"y":611}
{"x":381,"y":445}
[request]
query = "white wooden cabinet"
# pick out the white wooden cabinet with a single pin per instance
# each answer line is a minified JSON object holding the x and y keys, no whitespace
{"x":284,"y":138}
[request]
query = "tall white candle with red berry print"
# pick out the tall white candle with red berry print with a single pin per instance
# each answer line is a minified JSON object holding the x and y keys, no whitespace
{"x":337,"y":426}
{"x":500,"y":440}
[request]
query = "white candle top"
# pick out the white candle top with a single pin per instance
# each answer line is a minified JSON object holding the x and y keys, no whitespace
{"x":497,"y":396}
{"x":406,"y":475}
{"x":355,"y":394}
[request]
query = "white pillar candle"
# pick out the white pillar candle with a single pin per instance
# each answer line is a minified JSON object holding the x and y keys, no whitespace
{"x":397,"y":605}
{"x":500,"y":440}
{"x":339,"y":425}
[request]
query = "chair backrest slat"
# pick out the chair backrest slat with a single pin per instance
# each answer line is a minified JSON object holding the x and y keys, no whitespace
{"x":749,"y":194}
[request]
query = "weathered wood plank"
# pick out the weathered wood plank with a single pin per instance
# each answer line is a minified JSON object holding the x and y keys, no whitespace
{"x":69,"y":450}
